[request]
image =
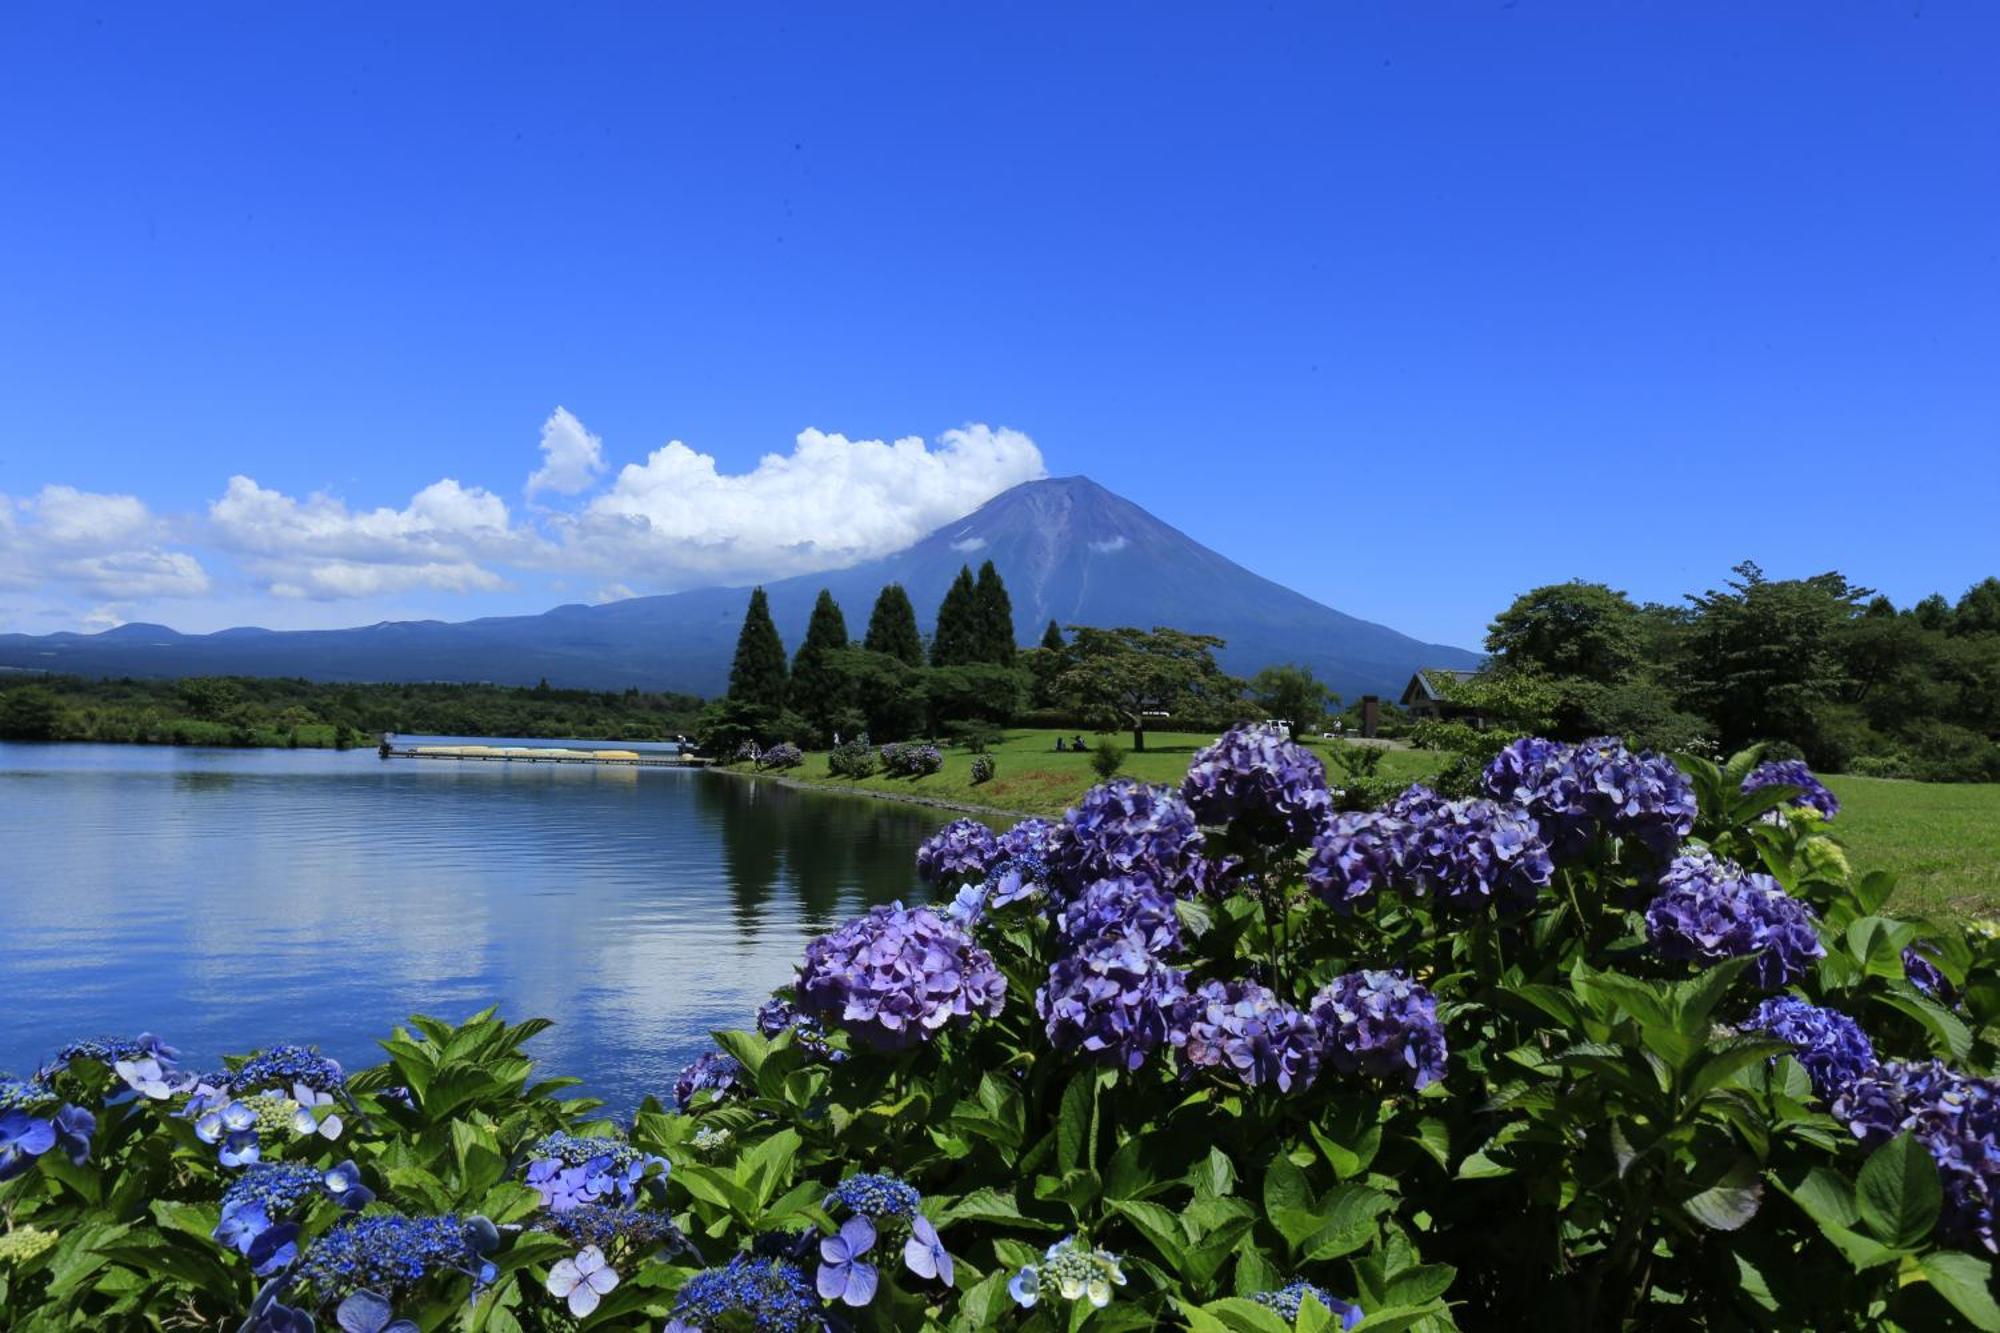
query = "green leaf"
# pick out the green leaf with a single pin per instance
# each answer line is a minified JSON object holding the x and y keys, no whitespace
{"x":1731,"y":1201}
{"x":1826,"y":1197}
{"x":1158,"y":1226}
{"x":1966,"y":1282}
{"x":1245,"y":1316}
{"x":1899,"y":1193}
{"x":1945,"y":1028}
{"x":1073,"y":1122}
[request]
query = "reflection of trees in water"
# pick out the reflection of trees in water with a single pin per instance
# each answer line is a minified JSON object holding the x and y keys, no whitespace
{"x":820,"y":847}
{"x":203,"y":780}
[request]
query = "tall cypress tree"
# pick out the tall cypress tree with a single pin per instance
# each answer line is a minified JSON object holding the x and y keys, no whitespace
{"x":1052,"y":638}
{"x":757,"y":676}
{"x":994,"y":615}
{"x":816,"y":686}
{"x":956,"y":642}
{"x":892,"y":627}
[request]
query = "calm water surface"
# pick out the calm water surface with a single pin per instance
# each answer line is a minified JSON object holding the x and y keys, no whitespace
{"x":227,"y":899}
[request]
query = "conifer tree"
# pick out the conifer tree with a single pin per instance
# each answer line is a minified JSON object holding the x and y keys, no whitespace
{"x":892,"y":627}
{"x":817,"y":684}
{"x":1052,"y":638}
{"x":757,"y":676}
{"x":956,"y":641}
{"x":994,"y":615}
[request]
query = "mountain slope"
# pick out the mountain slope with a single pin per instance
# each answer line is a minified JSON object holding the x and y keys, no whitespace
{"x":1069,"y":550}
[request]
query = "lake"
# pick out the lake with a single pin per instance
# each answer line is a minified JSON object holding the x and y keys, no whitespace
{"x":227,"y":899}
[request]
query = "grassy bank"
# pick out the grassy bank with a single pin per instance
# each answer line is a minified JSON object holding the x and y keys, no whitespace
{"x":1031,"y":778}
{"x":1941,"y":840}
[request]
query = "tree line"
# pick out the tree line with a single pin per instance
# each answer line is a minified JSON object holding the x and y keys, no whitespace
{"x":268,"y":711}
{"x":1819,"y":666}
{"x":972,"y":678}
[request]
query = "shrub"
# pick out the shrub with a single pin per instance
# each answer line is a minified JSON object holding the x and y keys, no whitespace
{"x":983,"y":769}
{"x":782,"y":755}
{"x":1611,"y":1044}
{"x":852,"y":759}
{"x":1107,"y":757}
{"x":911,"y":759}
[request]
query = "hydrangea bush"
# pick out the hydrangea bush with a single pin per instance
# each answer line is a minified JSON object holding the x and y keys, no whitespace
{"x":1620,"y":1043}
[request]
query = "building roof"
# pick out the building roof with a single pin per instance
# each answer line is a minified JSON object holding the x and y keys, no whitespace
{"x":1423,"y":685}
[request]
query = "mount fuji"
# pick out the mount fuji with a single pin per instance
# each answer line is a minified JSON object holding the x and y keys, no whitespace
{"x":1068,"y":549}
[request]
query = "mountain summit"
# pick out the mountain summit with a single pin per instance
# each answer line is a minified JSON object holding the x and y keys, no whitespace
{"x":1069,"y":550}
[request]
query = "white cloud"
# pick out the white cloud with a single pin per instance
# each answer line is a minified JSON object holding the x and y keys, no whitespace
{"x":572,"y":458}
{"x":678,"y":519}
{"x":612,"y":592}
{"x":99,"y":545}
{"x":1106,"y":547}
{"x":319,"y":548}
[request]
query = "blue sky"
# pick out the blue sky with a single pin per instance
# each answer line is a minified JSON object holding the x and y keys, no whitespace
{"x":1409,"y":313}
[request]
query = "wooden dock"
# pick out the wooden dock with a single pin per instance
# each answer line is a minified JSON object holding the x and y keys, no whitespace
{"x":540,"y":754}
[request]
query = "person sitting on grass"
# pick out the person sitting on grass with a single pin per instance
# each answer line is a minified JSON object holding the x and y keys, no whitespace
{"x":1059,"y":745}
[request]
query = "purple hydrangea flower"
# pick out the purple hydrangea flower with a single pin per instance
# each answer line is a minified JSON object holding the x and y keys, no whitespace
{"x":1957,"y":1119}
{"x":1135,"y":909}
{"x":1708,"y":910}
{"x":776,"y":1015}
{"x":1124,"y":829}
{"x":924,"y":1253}
{"x":711,"y":1071}
{"x":1256,"y":782}
{"x":1813,"y":793}
{"x":1354,"y":856}
{"x":1924,"y":974}
{"x":1576,"y":792}
{"x":1244,"y":1029}
{"x":1115,"y":1002}
{"x":963,"y":850}
{"x":1830,"y":1045}
{"x":1381,"y":1025}
{"x":895,"y":976}
{"x":1029,"y":838}
{"x":1468,"y":855}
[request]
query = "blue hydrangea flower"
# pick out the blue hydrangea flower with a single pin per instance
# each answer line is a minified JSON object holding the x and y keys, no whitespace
{"x":897,"y":975}
{"x":1259,"y":784}
{"x":1243,"y":1029}
{"x":18,"y":1094}
{"x":74,"y":1127}
{"x":23,"y":1138}
{"x":924,"y":1253}
{"x":1708,"y":910}
{"x":1380,"y":1025}
{"x":963,"y":850}
{"x":844,"y":1275}
{"x":1134,"y":909}
{"x":770,"y":1295}
{"x":877,"y":1197}
{"x":570,"y":1170}
{"x":283,"y":1067}
{"x":262,"y":1196}
{"x":582,"y":1281}
{"x":367,"y":1312}
{"x":1287,"y":1299}
{"x":595,"y":1224}
{"x":1126,"y":829}
{"x":711,"y":1071}
{"x":1072,"y":1270}
{"x":1354,"y":856}
{"x":108,"y":1051}
{"x":1812,"y":795}
{"x":777,"y":1015}
{"x":1830,"y":1045}
{"x":387,"y":1253}
{"x":1469,"y":855}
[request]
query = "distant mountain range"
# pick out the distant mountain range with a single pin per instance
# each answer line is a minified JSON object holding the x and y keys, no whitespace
{"x":1069,"y":550}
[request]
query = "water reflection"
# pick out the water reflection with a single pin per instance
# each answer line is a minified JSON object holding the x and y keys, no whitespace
{"x":233,"y":898}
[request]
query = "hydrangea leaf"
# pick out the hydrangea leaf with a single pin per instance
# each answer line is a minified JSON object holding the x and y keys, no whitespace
{"x":1899,"y":1193}
{"x":1966,"y":1282}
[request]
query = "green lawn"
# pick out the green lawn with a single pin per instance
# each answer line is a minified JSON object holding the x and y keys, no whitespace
{"x":1033,"y":779}
{"x":1942,"y":840}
